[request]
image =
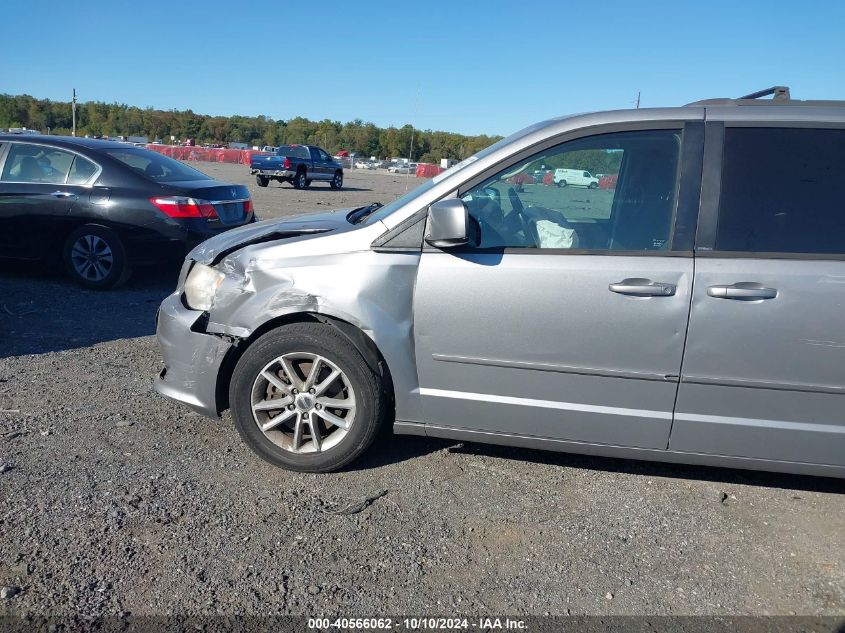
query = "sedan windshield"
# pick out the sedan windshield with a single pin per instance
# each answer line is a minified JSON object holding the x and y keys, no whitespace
{"x":155,"y":166}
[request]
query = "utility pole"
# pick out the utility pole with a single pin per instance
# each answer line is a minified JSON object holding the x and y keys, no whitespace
{"x":638,"y":100}
{"x":410,"y":152}
{"x":73,"y":110}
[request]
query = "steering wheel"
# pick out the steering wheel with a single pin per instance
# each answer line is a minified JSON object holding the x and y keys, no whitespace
{"x":517,"y":221}
{"x":516,"y":203}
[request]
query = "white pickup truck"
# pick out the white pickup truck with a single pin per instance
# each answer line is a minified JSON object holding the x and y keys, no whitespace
{"x":579,"y":177}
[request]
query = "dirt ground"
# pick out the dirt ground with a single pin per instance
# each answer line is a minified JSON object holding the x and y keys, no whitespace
{"x":114,"y":500}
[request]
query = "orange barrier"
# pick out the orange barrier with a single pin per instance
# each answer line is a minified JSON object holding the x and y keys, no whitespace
{"x":608,"y":182}
{"x":236,"y":156}
{"x":427,"y":170}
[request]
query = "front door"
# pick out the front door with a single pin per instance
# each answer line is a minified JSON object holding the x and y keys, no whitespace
{"x":322,"y":168}
{"x":764,"y":370}
{"x":565,"y":318}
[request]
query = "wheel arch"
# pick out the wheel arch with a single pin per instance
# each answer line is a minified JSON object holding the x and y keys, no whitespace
{"x":364,"y":344}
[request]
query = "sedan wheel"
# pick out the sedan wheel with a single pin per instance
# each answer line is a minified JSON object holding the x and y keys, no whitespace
{"x":92,"y":258}
{"x":95,"y":258}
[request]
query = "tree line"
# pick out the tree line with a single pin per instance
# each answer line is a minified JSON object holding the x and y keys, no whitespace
{"x":96,"y":118}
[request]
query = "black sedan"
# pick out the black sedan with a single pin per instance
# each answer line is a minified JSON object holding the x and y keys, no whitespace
{"x":102,"y":207}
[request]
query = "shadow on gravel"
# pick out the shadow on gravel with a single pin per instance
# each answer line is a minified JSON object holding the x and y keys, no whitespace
{"x":43,"y":312}
{"x":394,"y":449}
{"x":654,"y":469}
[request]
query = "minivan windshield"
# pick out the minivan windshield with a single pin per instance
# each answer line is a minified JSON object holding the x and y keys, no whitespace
{"x":155,"y":166}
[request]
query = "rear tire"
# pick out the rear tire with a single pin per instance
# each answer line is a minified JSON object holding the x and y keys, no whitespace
{"x":356,"y":384}
{"x":94,"y":257}
{"x":337,"y":181}
{"x":262,"y":181}
{"x":300,"y":181}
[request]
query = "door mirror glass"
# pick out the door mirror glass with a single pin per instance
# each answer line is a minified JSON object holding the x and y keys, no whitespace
{"x":447,"y":224}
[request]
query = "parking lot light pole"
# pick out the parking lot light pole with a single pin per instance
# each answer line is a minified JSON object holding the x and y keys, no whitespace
{"x":73,"y":112}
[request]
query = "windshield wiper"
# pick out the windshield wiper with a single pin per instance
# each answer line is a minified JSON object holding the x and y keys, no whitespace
{"x":358,"y":215}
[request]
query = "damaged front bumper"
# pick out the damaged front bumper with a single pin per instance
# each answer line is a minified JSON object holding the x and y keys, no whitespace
{"x":192,"y":359}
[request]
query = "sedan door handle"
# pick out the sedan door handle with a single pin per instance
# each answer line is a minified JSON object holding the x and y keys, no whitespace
{"x":742,"y":291}
{"x":642,"y":288}
{"x":63,"y":194}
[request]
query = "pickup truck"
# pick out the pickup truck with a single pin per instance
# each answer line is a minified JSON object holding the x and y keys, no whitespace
{"x":298,"y":165}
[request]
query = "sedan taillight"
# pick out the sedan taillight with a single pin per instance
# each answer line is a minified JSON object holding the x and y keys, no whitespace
{"x":181,"y":207}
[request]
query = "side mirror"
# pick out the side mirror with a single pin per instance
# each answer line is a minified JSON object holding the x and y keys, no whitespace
{"x":447,"y":223}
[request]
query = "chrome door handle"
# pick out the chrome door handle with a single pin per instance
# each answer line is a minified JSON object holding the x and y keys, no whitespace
{"x":63,"y":194}
{"x":742,"y":291}
{"x":642,"y":288}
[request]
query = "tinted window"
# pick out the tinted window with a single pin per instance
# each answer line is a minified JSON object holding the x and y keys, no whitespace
{"x":36,"y":164}
{"x":154,"y":166}
{"x":783,"y":191}
{"x":81,"y":171}
{"x":294,"y":151}
{"x":551,"y":200}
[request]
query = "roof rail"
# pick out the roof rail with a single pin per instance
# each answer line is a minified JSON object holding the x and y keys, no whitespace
{"x":780,"y":94}
{"x":777,"y":92}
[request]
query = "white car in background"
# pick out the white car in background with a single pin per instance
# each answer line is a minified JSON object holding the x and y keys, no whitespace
{"x":362,"y":164}
{"x":578,"y":177}
{"x":403,"y":168}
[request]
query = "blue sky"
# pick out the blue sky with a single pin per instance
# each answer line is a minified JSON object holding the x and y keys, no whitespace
{"x":463,"y":66}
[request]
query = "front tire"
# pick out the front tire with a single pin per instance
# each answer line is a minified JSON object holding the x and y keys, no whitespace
{"x":303,"y":398}
{"x":262,"y":181}
{"x":561,"y":183}
{"x":300,"y":181}
{"x":94,"y":257}
{"x":593,"y":185}
{"x":337,"y":181}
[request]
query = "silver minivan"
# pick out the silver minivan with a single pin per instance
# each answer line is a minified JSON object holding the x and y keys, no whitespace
{"x":690,"y":309}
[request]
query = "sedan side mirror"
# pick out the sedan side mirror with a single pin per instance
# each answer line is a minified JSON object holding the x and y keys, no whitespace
{"x":447,"y":223}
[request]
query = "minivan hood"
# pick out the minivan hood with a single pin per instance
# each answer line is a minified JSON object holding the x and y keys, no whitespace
{"x":216,"y":248}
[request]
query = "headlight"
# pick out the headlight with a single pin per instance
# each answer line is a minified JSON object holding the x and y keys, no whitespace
{"x":201,"y":285}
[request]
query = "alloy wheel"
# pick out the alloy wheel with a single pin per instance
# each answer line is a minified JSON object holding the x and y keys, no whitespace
{"x":303,"y":403}
{"x":92,"y":257}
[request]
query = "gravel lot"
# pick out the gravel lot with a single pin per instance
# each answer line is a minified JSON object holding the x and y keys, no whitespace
{"x":113,"y":500}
